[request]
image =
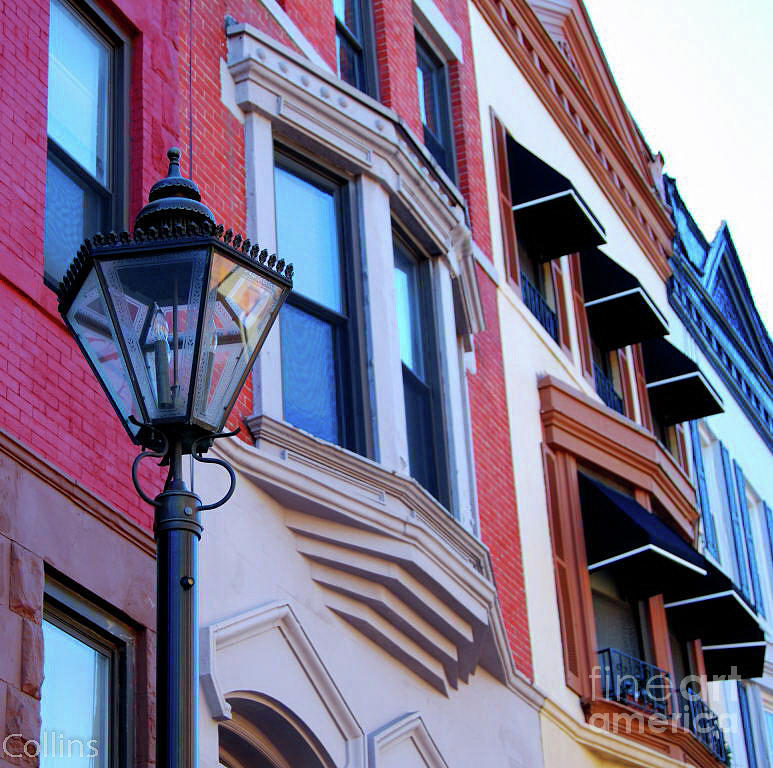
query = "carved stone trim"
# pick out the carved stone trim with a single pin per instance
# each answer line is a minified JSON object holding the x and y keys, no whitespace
{"x":408,"y":727}
{"x":382,"y":549}
{"x":116,"y":521}
{"x":255,"y":622}
{"x":309,"y":105}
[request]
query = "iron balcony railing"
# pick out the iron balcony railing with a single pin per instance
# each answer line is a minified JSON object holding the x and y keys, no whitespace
{"x":697,"y":717}
{"x":635,"y":683}
{"x":536,"y":303}
{"x":606,"y":391}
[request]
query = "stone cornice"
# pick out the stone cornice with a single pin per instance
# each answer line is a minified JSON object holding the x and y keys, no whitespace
{"x":307,"y":104}
{"x":375,"y":540}
{"x":728,"y":356}
{"x":622,"y":749}
{"x":582,"y":122}
{"x":575,"y":423}
{"x":100,"y":510}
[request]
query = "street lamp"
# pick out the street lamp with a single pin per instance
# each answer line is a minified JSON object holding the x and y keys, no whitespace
{"x":171,"y":321}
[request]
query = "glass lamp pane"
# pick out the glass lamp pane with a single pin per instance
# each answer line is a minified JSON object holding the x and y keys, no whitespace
{"x":239,"y":306}
{"x":157,"y":300}
{"x":91,"y":322}
{"x":78,"y":90}
{"x":76,"y":728}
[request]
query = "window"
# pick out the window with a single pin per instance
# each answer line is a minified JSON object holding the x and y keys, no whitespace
{"x":91,"y":654}
{"x":354,"y":47}
{"x":421,"y":386}
{"x":746,"y":723}
{"x":434,"y":106}
{"x":538,"y":290}
{"x":319,"y":334}
{"x":85,"y":170}
{"x":608,"y":377}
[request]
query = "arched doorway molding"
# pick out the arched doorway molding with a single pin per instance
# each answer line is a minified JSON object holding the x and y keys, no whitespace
{"x":267,"y":651}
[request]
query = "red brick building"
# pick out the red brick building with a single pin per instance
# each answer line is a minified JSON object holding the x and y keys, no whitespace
{"x":345,"y":135}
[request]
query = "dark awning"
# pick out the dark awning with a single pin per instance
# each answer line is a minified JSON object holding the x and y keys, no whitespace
{"x":717,"y":615}
{"x":620,"y":312}
{"x":744,"y":660}
{"x":623,"y":538}
{"x":551,"y":218}
{"x":677,"y":389}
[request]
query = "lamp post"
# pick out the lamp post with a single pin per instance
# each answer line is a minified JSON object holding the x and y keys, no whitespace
{"x":171,"y":321}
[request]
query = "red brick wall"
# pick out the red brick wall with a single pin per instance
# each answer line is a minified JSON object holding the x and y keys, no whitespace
{"x":48,"y":396}
{"x":495,"y":481}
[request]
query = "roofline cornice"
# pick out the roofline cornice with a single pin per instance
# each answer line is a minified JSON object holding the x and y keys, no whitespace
{"x":572,"y":107}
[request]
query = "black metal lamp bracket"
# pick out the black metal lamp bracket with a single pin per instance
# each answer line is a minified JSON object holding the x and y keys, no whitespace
{"x":220,"y":462}
{"x":163,"y":453}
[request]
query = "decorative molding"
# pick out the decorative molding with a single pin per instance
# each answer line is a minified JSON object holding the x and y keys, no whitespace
{"x":442,"y":34}
{"x":575,"y":423}
{"x":610,"y":159}
{"x":391,"y":561}
{"x":408,"y":727}
{"x":308,"y":105}
{"x":100,"y":510}
{"x":679,"y":743}
{"x":253,"y":623}
{"x":295,"y":34}
{"x":719,"y":342}
{"x":623,"y":750}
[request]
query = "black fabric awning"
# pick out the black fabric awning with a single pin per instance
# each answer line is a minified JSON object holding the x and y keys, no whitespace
{"x":744,"y":660}
{"x":620,"y":312}
{"x":647,"y":558}
{"x":551,"y":218}
{"x":623,"y":538}
{"x":677,"y":389}
{"x":716,"y":614}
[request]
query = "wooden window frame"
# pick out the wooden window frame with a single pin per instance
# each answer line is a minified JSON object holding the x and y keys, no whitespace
{"x":441,"y":88}
{"x":363,"y":47}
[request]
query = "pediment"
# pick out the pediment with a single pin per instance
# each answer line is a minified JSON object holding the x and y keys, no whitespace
{"x":568,"y":24}
{"x":295,"y":676}
{"x":404,"y":743}
{"x":725,"y":281}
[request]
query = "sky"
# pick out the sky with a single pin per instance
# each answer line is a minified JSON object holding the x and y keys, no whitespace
{"x":697,"y":75}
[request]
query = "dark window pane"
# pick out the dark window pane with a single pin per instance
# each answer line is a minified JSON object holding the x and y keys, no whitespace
{"x":79,"y":91}
{"x":75,"y":701}
{"x":73,"y":211}
{"x":426,"y":75}
{"x":418,"y":420}
{"x":308,"y":373}
{"x":351,"y":62}
{"x":307,"y":236}
{"x":434,"y":106}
